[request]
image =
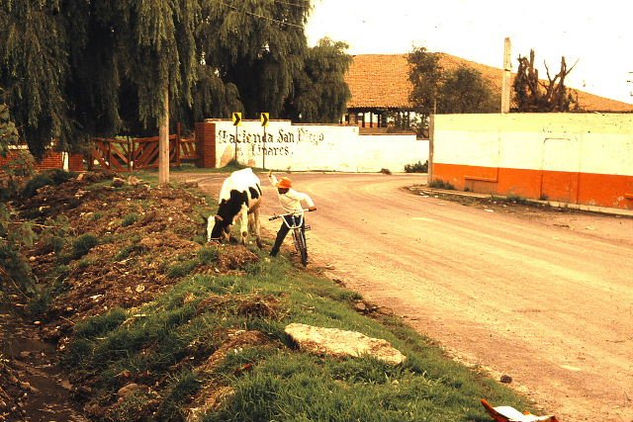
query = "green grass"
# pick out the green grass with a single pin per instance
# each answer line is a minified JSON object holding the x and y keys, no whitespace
{"x":183,"y":269}
{"x":208,"y":255}
{"x":182,"y":328}
{"x":152,"y":174}
{"x":164,"y":344}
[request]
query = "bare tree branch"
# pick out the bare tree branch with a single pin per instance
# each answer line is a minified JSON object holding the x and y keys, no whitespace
{"x":535,"y":95}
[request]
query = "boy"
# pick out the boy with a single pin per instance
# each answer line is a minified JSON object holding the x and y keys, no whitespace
{"x":291,"y":201}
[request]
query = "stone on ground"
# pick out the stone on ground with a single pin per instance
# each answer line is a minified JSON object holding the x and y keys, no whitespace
{"x":341,"y":343}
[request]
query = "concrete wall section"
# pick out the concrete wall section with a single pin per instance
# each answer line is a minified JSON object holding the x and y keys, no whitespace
{"x":312,"y":147}
{"x":392,"y":152}
{"x":571,"y":157}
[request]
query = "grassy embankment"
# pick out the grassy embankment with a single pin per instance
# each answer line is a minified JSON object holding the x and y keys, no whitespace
{"x":206,"y":328}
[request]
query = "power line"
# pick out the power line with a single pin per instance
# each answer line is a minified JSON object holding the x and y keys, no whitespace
{"x":262,"y":17}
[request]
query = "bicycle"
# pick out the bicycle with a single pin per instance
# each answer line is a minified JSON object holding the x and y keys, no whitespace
{"x":299,"y":229}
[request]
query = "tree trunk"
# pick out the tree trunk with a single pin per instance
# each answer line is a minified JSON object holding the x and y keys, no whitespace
{"x":163,"y":143}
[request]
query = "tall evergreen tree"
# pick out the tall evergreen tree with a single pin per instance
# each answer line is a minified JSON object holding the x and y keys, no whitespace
{"x":73,"y":68}
{"x":259,"y":46}
{"x":34,"y":69}
{"x":320,"y":92}
{"x":76,"y":69}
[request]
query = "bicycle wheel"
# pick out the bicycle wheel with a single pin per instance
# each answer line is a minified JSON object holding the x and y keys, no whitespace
{"x":300,"y":244}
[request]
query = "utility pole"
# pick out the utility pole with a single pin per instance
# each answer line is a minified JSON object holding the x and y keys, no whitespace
{"x":507,"y":76}
{"x":163,"y":142}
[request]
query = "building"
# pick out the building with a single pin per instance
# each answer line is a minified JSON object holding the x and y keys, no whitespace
{"x":380,"y":87}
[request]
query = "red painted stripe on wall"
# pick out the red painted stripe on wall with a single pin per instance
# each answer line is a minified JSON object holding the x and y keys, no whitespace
{"x":605,"y":190}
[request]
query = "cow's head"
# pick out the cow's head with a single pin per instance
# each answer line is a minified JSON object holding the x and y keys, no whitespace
{"x":227,"y":211}
{"x":221,"y":228}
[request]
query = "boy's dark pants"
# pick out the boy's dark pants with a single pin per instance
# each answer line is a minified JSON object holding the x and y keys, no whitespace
{"x":283,"y":231}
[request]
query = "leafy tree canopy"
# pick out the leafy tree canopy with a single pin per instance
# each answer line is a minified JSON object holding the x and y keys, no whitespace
{"x":464,"y":90}
{"x":425,"y":74}
{"x":74,"y":70}
{"x":435,"y":89}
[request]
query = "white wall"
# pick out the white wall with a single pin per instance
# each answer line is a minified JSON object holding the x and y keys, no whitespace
{"x":315,"y":147}
{"x":573,"y":142}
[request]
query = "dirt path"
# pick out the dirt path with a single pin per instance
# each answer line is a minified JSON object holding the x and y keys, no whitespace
{"x":543,"y":297}
{"x":44,"y":389}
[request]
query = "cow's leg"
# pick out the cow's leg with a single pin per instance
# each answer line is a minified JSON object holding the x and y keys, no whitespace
{"x":244,"y":223}
{"x":226,"y":234}
{"x":256,"y":227}
{"x":210,"y":223}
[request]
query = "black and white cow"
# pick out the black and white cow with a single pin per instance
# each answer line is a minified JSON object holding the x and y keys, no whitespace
{"x":239,"y":199}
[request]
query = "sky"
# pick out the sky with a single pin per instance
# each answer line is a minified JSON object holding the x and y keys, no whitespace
{"x":597,"y":36}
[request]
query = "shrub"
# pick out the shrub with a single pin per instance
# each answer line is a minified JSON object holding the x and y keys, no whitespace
{"x":41,"y":302}
{"x":129,"y":219}
{"x":85,"y":263}
{"x":22,"y":166}
{"x":49,"y":177}
{"x":16,"y":267}
{"x":35,"y":183}
{"x":83,"y":244}
{"x":516,"y":199}
{"x":129,"y":250}
{"x":417,"y":167}
{"x":57,"y":244}
{"x":22,"y":235}
{"x":59,"y":176}
{"x":441,"y":184}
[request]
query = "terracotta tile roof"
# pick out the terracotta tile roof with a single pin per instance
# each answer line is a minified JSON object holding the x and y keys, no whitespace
{"x":382,"y":81}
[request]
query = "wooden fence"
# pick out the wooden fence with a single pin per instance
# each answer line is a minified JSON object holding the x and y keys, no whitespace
{"x":140,"y":153}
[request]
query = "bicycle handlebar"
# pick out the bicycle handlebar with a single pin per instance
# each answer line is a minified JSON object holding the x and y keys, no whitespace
{"x":275,"y":217}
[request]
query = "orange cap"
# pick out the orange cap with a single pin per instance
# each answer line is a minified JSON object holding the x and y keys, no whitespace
{"x":284,"y":183}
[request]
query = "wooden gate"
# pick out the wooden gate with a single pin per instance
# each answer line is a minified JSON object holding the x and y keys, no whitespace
{"x":131,"y":154}
{"x":113,"y":154}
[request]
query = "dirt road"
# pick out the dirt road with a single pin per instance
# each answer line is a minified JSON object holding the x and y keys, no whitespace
{"x":545,"y":298}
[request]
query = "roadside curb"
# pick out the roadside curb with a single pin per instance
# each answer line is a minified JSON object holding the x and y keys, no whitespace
{"x":554,"y":204}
